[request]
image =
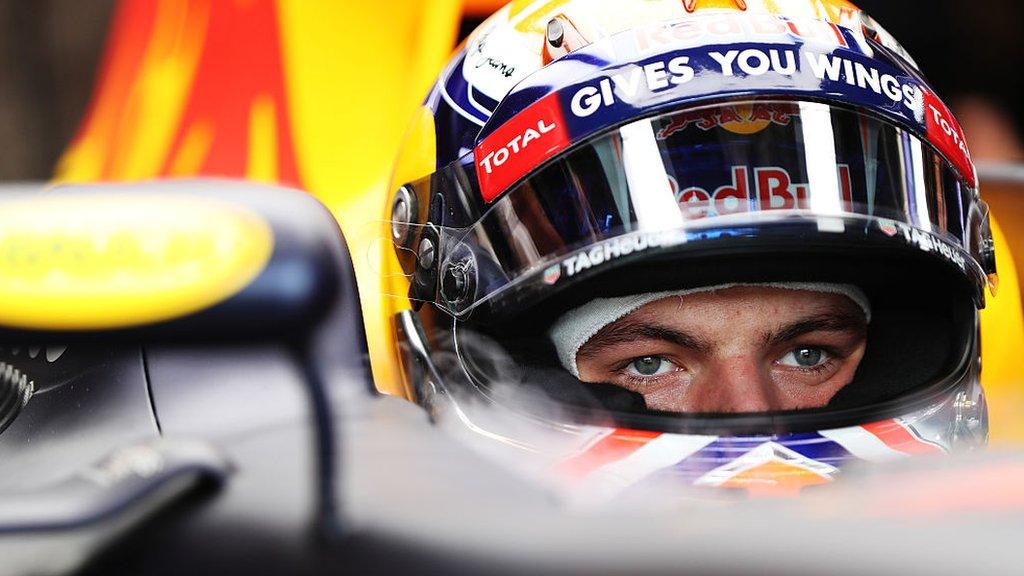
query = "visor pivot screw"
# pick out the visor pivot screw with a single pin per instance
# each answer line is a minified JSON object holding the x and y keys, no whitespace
{"x":401,"y":215}
{"x":426,"y":254}
{"x":455,"y":283}
{"x":556,"y":33}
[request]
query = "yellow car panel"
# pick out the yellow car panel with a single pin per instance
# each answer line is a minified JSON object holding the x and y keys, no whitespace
{"x":99,"y":261}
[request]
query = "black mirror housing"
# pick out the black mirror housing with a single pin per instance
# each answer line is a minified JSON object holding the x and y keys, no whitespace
{"x":165,"y":260}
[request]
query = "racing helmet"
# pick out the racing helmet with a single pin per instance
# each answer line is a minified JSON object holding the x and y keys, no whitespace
{"x":591,"y":159}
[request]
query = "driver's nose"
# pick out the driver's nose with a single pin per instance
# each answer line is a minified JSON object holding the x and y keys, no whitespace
{"x":736,"y":384}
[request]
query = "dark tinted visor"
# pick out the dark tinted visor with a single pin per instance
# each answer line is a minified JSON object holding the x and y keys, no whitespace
{"x":670,"y":179}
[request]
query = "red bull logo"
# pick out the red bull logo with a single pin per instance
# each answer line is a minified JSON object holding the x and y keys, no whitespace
{"x":755,"y":189}
{"x":770,"y":27}
{"x":739,"y":119}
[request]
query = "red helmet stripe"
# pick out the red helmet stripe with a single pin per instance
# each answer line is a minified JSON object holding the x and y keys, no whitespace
{"x":899,"y":437}
{"x":619,"y":444}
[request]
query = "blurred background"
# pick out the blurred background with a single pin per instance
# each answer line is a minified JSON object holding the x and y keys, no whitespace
{"x":51,"y":49}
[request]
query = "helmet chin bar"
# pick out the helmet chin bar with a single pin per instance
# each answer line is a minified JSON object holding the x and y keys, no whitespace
{"x":970,"y":421}
{"x":421,"y":374}
{"x":969,"y":428}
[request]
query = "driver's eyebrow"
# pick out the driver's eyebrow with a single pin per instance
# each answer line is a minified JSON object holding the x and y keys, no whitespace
{"x":615,"y":335}
{"x":831,"y":322}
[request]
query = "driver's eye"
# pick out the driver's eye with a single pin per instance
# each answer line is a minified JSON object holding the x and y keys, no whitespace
{"x":649,"y":366}
{"x":805,"y":357}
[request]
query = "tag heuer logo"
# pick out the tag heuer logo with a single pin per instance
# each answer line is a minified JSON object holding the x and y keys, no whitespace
{"x":552,"y":274}
{"x":888,"y":226}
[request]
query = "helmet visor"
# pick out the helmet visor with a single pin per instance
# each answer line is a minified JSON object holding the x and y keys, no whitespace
{"x":692,"y":176}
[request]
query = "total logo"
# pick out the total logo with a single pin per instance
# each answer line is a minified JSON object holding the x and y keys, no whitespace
{"x":948,"y":136}
{"x":514,"y":146}
{"x":753,"y":189}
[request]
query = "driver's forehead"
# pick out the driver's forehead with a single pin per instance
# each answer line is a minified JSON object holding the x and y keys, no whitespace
{"x":747,"y":309}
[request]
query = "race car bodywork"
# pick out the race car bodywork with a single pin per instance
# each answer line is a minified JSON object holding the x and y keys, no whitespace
{"x":248,"y":437}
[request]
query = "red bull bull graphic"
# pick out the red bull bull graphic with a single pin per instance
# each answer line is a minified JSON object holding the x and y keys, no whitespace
{"x":740,"y":119}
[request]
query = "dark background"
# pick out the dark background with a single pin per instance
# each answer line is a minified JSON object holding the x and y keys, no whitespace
{"x":972,"y":52}
{"x":49,"y":51}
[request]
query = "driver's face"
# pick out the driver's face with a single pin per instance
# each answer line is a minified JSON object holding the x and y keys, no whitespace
{"x":743,"y":349}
